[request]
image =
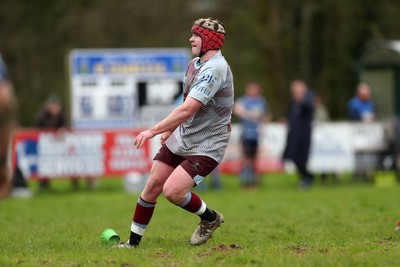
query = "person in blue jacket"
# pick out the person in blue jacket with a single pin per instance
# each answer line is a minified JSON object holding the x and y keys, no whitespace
{"x":361,"y":107}
{"x":252,"y":110}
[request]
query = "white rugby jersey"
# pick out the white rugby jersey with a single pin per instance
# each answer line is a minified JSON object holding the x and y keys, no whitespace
{"x":207,"y":132}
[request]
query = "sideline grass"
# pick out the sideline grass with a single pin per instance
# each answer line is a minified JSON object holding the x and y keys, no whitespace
{"x":338,"y":225}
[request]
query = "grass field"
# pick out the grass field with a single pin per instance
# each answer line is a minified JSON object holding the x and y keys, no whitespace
{"x":337,"y":225}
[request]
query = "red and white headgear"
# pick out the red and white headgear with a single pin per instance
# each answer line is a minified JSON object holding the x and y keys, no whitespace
{"x":211,"y":32}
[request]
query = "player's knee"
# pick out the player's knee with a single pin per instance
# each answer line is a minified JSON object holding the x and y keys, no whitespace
{"x":169,"y":193}
{"x":173,"y":194}
{"x":153,"y":187}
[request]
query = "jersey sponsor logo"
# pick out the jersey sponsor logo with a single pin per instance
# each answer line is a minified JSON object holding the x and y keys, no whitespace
{"x":203,"y":90}
{"x":208,"y":78}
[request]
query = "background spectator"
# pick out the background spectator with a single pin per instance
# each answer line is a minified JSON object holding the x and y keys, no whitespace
{"x":7,"y":110}
{"x":252,"y":109}
{"x":299,"y":130}
{"x":51,"y":116}
{"x":361,"y":107}
{"x":321,"y":113}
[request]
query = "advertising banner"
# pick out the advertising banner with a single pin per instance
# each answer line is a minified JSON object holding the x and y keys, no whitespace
{"x":369,"y":136}
{"x":334,"y":147}
{"x":78,"y":153}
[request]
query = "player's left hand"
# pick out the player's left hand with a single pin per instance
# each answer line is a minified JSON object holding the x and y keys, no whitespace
{"x":165,"y":136}
{"x":142,"y":137}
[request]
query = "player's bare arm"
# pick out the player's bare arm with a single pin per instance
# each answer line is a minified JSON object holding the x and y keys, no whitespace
{"x":169,"y":124}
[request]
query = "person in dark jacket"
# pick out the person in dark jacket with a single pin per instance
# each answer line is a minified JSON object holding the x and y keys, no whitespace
{"x":51,"y":116}
{"x":299,"y":130}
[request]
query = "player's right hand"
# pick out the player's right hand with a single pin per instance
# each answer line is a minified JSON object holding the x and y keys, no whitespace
{"x":142,"y":137}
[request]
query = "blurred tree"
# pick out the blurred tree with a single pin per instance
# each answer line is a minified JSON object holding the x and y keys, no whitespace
{"x":270,"y":41}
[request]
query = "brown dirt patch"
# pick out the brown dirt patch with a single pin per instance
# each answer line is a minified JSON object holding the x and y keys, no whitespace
{"x":220,"y":248}
{"x":163,"y":254}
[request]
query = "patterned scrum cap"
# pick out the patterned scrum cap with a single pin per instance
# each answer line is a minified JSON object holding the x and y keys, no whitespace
{"x":212,"y":33}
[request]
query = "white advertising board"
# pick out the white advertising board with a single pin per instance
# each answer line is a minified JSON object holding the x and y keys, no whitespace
{"x":124,"y":88}
{"x":333,"y":146}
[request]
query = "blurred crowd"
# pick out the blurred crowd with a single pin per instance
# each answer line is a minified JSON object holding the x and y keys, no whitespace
{"x":306,"y":108}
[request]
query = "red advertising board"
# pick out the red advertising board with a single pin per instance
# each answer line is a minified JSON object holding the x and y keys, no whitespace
{"x":96,"y":153}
